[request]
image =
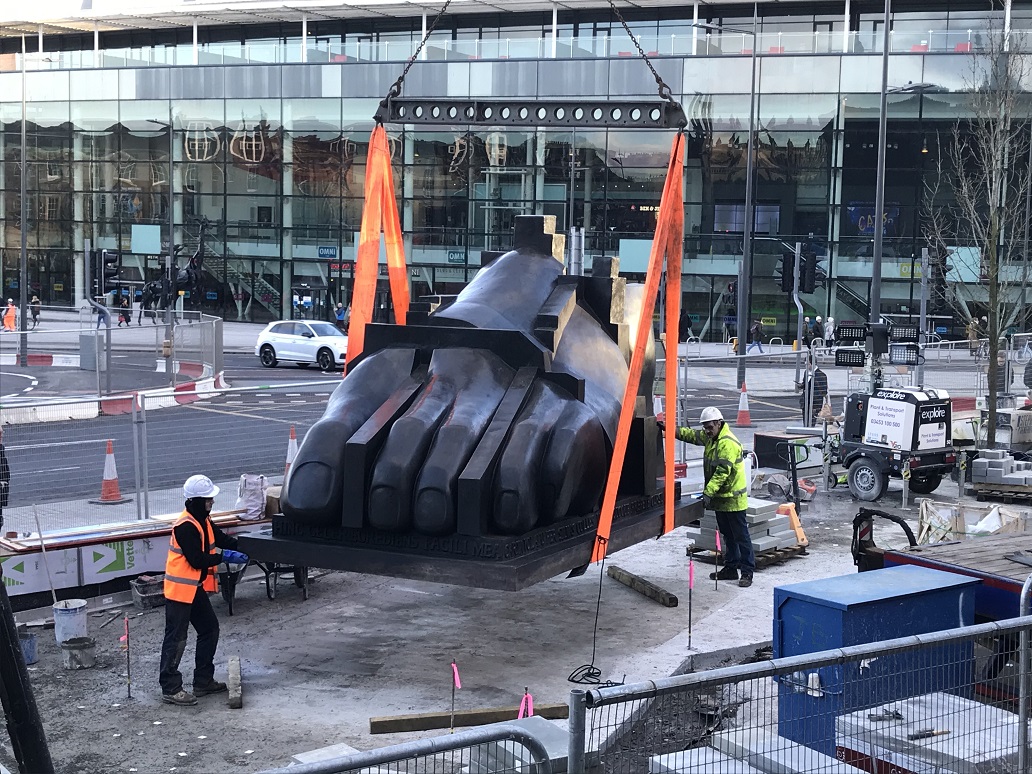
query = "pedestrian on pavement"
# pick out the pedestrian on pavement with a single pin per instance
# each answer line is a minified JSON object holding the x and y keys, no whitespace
{"x":103,"y":317}
{"x":10,"y":314}
{"x":341,"y":315}
{"x":807,"y":331}
{"x":35,"y":306}
{"x":972,"y":336}
{"x":815,"y":390}
{"x":5,"y":478}
{"x":125,"y":313}
{"x":829,"y":332}
{"x":726,"y":492}
{"x":196,"y":548}
{"x":755,"y":336}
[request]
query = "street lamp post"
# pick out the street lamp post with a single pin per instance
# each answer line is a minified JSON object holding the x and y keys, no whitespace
{"x":23,"y":261}
{"x":745,"y":282}
{"x":879,"y":194}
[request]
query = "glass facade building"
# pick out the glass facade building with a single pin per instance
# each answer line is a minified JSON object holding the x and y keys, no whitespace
{"x":263,"y":129}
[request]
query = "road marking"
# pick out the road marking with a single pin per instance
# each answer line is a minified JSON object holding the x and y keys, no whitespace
{"x":55,"y":470}
{"x":55,"y":445}
{"x":33,"y":379}
{"x":240,"y":414}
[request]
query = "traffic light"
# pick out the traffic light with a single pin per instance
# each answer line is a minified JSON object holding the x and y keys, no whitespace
{"x":808,"y":273}
{"x":109,"y":267}
{"x":787,"y":271}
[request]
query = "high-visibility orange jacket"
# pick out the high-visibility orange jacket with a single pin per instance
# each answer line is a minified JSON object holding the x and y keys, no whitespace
{"x":182,"y":578}
{"x":9,"y":317}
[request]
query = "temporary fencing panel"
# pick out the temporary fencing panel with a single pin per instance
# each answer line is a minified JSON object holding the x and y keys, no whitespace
{"x":947,"y":701}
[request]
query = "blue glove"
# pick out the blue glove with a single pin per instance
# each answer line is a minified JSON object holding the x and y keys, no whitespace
{"x":234,"y":557}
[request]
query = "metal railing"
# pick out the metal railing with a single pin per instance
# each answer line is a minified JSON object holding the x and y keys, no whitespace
{"x":941,"y":701}
{"x":499,"y":749}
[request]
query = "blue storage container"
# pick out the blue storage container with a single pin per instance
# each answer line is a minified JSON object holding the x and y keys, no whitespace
{"x":857,"y":609}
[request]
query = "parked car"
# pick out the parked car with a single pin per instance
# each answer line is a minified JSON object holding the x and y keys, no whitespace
{"x":302,"y":342}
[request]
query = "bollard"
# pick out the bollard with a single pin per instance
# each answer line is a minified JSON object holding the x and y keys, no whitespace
{"x":906,"y":488}
{"x":963,"y":473}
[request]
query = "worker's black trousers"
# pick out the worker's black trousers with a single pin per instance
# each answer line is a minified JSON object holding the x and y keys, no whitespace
{"x":738,"y":550}
{"x":178,"y":618}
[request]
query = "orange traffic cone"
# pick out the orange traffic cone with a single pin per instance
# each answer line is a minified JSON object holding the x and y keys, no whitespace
{"x":743,"y":410}
{"x":291,"y":451}
{"x":109,"y":492}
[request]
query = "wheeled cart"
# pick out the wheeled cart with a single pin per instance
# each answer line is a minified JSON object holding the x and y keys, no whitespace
{"x":230,"y":576}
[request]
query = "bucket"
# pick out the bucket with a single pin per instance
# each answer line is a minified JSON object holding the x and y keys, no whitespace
{"x":69,"y":619}
{"x":79,"y":653}
{"x":28,"y":648}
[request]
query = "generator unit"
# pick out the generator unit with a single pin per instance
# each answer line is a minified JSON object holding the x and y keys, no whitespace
{"x":899,"y":432}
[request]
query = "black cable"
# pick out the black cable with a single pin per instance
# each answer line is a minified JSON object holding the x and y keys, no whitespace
{"x":589,"y":674}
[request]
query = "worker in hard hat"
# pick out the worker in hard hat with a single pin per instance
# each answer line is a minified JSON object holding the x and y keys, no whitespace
{"x":197,"y":547}
{"x":726,"y":492}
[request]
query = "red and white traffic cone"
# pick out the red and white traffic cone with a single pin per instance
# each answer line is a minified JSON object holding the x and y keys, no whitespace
{"x":291,"y":451}
{"x":109,"y":492}
{"x":743,"y":409}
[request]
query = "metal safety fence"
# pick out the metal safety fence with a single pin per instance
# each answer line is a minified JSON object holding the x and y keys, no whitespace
{"x":945,"y":701}
{"x":63,"y":454}
{"x":145,"y":353}
{"x":497,"y":749}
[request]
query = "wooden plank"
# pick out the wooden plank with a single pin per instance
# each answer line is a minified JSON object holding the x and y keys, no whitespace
{"x":985,"y":555}
{"x":644,"y":587}
{"x":427,"y":721}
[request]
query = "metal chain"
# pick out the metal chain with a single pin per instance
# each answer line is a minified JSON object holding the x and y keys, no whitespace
{"x":395,"y":89}
{"x":664,"y":90}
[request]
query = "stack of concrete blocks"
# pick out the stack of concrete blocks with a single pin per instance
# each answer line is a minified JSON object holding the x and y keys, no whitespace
{"x":996,"y":466}
{"x":768,"y":529}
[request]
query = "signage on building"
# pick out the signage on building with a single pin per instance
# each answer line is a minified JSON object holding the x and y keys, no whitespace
{"x":456,"y":256}
{"x":327,"y":251}
{"x":941,"y":329}
{"x":58,"y":287}
{"x":730,"y":320}
{"x":768,"y":321}
{"x":211,"y":295}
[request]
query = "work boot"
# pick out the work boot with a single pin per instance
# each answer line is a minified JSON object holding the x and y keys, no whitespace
{"x":728,"y":573}
{"x":181,"y":698}
{"x":213,"y":687}
{"x":746,"y":580}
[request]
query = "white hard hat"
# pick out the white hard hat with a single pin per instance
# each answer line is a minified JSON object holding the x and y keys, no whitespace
{"x":709,"y":414}
{"x":818,"y":318}
{"x":199,"y":486}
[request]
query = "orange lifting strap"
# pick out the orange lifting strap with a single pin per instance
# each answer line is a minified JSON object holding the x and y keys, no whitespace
{"x":668,"y":242}
{"x":380,"y":211}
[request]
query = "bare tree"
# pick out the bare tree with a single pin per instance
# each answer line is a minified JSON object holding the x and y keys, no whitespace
{"x":976,"y":199}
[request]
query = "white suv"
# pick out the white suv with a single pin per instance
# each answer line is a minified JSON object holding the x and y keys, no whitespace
{"x":302,"y":342}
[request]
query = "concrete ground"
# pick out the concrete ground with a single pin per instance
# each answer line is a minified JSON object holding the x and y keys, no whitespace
{"x":315,"y":671}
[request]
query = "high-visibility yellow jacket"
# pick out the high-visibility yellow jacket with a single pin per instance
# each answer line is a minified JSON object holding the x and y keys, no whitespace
{"x":723,"y":466}
{"x":182,"y":578}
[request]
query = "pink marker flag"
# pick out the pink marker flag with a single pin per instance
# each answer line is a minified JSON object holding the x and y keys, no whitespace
{"x":526,"y":707}
{"x":718,"y":541}
{"x":691,"y":574}
{"x":455,"y":675}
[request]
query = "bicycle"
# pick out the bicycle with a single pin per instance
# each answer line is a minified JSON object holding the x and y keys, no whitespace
{"x":1024,"y":354}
